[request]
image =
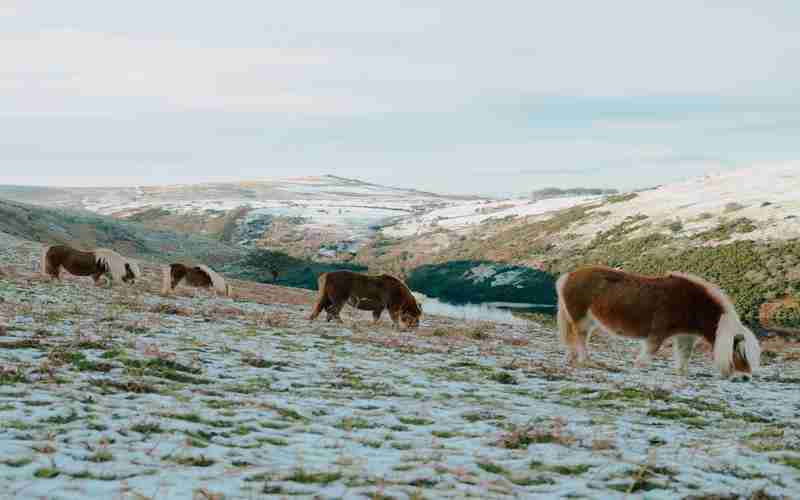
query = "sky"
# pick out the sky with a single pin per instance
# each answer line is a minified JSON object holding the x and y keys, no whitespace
{"x":455,"y":96}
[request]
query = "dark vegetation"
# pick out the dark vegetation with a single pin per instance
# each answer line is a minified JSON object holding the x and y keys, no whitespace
{"x":269,"y":266}
{"x":451,"y":282}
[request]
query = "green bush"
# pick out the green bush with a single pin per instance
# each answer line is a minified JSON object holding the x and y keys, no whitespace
{"x":452,"y":283}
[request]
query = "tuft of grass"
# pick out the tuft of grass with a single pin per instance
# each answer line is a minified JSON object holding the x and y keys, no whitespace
{"x":17,"y":462}
{"x":415,"y":421}
{"x":564,"y":470}
{"x":492,"y":468}
{"x":46,"y":473}
{"x":688,"y":417}
{"x":503,"y":378}
{"x":351,"y":423}
{"x":147,"y":428}
{"x":101,"y":457}
{"x":302,"y":476}
{"x":190,"y":461}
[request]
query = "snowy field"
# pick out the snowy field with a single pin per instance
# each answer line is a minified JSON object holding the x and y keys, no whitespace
{"x":468,"y":215}
{"x":126,"y":394}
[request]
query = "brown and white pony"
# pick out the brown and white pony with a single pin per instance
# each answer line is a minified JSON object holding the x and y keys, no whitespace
{"x":196,"y":276}
{"x":368,"y":293}
{"x":95,"y":263}
{"x":653,"y":309}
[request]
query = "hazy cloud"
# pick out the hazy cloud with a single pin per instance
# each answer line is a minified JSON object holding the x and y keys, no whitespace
{"x":431,"y":96}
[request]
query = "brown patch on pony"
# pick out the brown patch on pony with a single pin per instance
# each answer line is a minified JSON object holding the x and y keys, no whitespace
{"x":653,"y":309}
{"x":95,"y":263}
{"x":368,"y":293}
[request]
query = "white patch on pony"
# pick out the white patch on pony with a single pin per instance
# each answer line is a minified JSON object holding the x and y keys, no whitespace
{"x":166,"y":279}
{"x":217,"y":281}
{"x":43,"y":266}
{"x":113,"y":262}
{"x":137,"y":273}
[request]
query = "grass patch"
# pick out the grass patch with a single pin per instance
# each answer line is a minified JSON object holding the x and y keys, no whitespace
{"x":492,"y":468}
{"x":564,"y":470}
{"x":304,"y":477}
{"x":688,"y":417}
{"x":415,"y":421}
{"x":190,"y":461}
{"x":46,"y":473}
{"x":101,"y":457}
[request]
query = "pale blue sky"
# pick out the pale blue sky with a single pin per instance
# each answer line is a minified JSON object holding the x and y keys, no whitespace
{"x":451,"y":96}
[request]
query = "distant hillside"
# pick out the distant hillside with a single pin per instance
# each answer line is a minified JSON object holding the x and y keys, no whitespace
{"x":740,"y":230}
{"x":85,"y":229}
{"x":554,"y":192}
{"x":318,"y":218}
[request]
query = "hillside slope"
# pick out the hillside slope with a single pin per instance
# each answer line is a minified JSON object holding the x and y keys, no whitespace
{"x":311,"y":217}
{"x":121,"y":392}
{"x":87,"y":230}
{"x":740,"y":229}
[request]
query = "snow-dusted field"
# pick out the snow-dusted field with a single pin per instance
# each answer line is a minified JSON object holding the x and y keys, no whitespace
{"x":468,"y":215}
{"x":125,"y":394}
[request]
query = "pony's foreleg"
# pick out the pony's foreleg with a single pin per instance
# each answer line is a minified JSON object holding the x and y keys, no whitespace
{"x":649,"y":347}
{"x":682,"y":347}
{"x":395,"y":315}
{"x":376,"y":316}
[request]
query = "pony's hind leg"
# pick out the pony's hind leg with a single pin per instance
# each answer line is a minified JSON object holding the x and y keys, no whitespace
{"x":649,"y":347}
{"x":682,"y":348}
{"x":577,"y":335}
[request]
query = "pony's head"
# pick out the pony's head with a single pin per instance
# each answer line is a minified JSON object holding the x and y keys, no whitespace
{"x":411,"y":313}
{"x":131,"y":273}
{"x":736,"y":348}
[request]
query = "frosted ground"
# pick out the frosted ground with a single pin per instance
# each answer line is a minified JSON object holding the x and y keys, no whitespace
{"x":123,"y":393}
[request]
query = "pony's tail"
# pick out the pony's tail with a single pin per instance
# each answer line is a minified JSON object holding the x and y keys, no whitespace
{"x":563,"y":318}
{"x":43,"y":265}
{"x":321,"y":282}
{"x":728,"y":329}
{"x":166,"y":279}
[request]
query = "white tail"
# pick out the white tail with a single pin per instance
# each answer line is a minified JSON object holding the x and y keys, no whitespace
{"x":43,"y":266}
{"x":166,"y":279}
{"x":562,"y":318}
{"x":217,"y":281}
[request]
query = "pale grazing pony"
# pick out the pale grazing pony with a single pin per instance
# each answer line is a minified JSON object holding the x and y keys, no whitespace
{"x":195,"y":276}
{"x":95,"y":263}
{"x":677,"y":306}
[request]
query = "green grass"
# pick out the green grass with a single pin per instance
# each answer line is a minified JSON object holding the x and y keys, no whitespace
{"x":304,"y":477}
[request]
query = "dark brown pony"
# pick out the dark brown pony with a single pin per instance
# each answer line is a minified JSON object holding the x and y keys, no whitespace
{"x":653,"y":309}
{"x":194,"y":276}
{"x":368,"y":293}
{"x":95,"y":263}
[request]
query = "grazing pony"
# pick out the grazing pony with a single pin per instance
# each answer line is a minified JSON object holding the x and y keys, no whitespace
{"x":368,"y":293}
{"x":653,"y":309}
{"x":94,"y":263}
{"x":197,"y":276}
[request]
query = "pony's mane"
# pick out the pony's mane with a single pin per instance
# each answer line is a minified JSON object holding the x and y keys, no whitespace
{"x":114,"y":262}
{"x":217,"y":281}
